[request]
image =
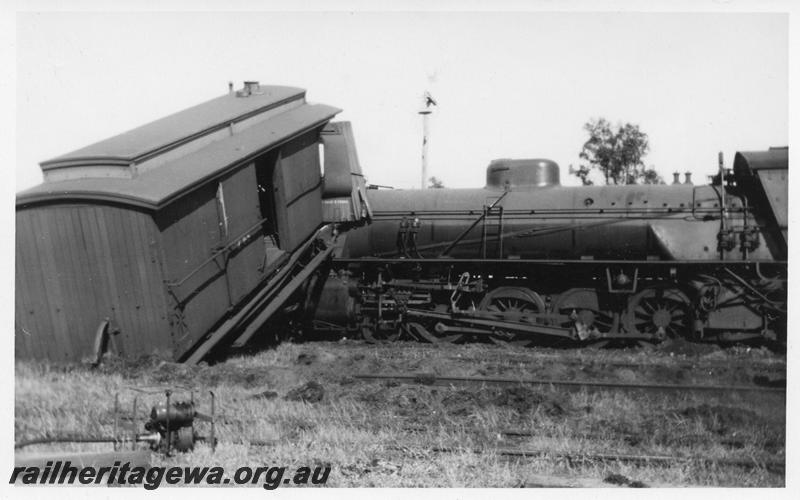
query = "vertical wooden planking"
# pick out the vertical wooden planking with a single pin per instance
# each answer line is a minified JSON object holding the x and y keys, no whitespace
{"x":29,"y":327}
{"x":162,"y":271}
{"x":133,"y":256}
{"x":40,"y":301}
{"x":108,"y":267}
{"x":282,"y":222}
{"x":152,"y":327}
{"x":126,"y":280}
{"x":63,"y":253}
{"x":158,"y":312}
{"x":21,"y":333}
{"x":130,"y":246}
{"x":58,"y":220}
{"x":52,"y":296}
{"x":302,"y":204}
{"x":136,"y":239}
{"x":85,"y":324}
{"x":25,"y":328}
{"x":49,"y":298}
{"x":87,"y":299}
{"x":116,"y":258}
{"x":104,"y":299}
{"x":100,"y":267}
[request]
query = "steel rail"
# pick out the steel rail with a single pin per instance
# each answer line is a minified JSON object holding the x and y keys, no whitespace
{"x":553,"y":262}
{"x":588,"y":363}
{"x":431,"y":379}
{"x":67,"y":439}
{"x":514,"y":433}
{"x":750,"y":462}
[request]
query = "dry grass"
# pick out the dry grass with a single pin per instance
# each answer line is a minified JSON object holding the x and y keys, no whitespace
{"x":383,"y":434}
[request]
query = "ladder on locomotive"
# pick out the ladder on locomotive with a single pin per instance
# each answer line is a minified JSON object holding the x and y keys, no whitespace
{"x":492,"y":227}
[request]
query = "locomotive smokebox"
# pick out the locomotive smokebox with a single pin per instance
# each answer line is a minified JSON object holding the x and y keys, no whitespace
{"x":528,"y":173}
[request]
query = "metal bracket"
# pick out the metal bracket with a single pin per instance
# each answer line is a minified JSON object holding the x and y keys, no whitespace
{"x":621,"y":281}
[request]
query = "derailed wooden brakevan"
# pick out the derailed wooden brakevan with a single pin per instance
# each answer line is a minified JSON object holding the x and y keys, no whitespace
{"x":161,"y":232}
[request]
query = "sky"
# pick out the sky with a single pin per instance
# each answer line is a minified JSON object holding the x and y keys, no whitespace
{"x":507,"y":84}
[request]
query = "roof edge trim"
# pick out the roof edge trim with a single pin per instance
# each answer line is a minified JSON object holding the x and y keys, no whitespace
{"x":25,"y":200}
{"x":69,"y":161}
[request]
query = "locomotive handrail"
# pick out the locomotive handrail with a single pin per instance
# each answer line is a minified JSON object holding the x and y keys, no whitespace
{"x":220,"y":250}
{"x":486,"y":211}
{"x":631,"y":214}
{"x":514,"y":234}
{"x":534,"y":232}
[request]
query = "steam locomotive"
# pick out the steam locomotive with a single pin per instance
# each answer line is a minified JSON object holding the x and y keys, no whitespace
{"x":197,"y":230}
{"x":525,"y":260}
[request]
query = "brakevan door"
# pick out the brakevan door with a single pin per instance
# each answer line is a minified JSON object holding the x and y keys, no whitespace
{"x":241,"y":232}
{"x":193,"y":265}
{"x":213,"y":254}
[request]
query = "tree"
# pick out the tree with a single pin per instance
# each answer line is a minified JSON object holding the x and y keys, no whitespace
{"x":434,"y":183}
{"x":582,"y":173}
{"x":650,"y":176}
{"x":617,"y":152}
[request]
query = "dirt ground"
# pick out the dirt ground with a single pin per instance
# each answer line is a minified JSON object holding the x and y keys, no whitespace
{"x":302,"y":404}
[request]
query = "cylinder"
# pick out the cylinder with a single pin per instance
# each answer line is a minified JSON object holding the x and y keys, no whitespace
{"x":336,"y":303}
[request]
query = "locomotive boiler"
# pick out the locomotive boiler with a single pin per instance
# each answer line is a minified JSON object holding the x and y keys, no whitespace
{"x":526,"y":260}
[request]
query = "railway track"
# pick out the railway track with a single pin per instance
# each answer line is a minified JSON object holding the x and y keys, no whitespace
{"x":581,"y":457}
{"x":432,"y":379}
{"x":704,"y":364}
{"x":530,"y":355}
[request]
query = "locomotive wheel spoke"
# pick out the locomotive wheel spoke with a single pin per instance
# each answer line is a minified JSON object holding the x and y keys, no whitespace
{"x":647,"y":307}
{"x":659,"y":311}
{"x":419,"y":332}
{"x":512,"y":303}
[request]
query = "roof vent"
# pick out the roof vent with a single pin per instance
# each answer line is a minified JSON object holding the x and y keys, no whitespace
{"x":250,"y":88}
